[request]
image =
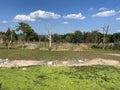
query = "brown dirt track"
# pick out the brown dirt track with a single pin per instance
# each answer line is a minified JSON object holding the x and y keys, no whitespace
{"x":97,"y":61}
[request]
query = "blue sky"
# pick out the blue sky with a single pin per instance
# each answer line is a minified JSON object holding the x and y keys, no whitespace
{"x":61,"y":16}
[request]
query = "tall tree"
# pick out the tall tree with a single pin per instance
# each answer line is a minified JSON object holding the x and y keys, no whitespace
{"x":86,"y":37}
{"x":116,"y":37}
{"x":69,"y":37}
{"x":105,"y":32}
{"x":50,"y":39}
{"x":26,"y":29}
{"x":11,"y":36}
{"x":96,"y":36}
{"x":56,"y":37}
{"x":78,"y":37}
{"x":49,"y":36}
{"x":3,"y":37}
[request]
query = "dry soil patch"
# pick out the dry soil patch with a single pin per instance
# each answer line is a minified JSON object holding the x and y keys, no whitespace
{"x":97,"y":61}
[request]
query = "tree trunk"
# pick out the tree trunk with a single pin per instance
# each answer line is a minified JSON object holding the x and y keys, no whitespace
{"x":10,"y":42}
{"x":105,"y":31}
{"x":50,"y":41}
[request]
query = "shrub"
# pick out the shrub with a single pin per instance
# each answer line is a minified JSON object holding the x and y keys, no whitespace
{"x":116,"y":46}
{"x":97,"y":46}
{"x":106,"y":47}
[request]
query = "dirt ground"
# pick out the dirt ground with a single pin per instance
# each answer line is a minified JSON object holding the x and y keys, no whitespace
{"x":97,"y":61}
{"x":113,"y":54}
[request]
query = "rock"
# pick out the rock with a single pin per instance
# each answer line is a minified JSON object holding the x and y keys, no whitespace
{"x":80,"y":61}
{"x":50,"y":63}
{"x":24,"y":68}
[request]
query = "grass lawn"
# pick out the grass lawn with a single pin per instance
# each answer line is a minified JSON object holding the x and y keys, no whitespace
{"x":17,"y":54}
{"x":60,"y":78}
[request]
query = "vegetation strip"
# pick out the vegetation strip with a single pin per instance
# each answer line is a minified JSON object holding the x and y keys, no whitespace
{"x":18,"y":54}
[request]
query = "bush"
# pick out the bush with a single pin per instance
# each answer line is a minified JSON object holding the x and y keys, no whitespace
{"x":106,"y":47}
{"x":116,"y":46}
{"x":97,"y":46}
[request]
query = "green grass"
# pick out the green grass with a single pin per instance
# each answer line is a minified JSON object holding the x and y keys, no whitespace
{"x":18,"y":54}
{"x":60,"y":78}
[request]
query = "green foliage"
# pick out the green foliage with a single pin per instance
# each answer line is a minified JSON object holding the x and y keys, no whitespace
{"x":56,"y":38}
{"x":0,"y":86}
{"x":75,"y":37}
{"x":78,"y":36}
{"x":116,"y":37}
{"x":24,"y":27}
{"x":8,"y":34}
{"x":27,"y":32}
{"x":96,"y":47}
{"x":60,"y":78}
{"x":116,"y":46}
{"x":106,"y":47}
{"x":69,"y":37}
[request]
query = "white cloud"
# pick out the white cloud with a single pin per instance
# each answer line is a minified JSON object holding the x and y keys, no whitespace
{"x":119,"y":11}
{"x":37,"y":15}
{"x":23,"y":18}
{"x":64,"y":23}
{"x":103,"y":9}
{"x":105,"y":13}
{"x":118,"y":30}
{"x":74,"y":16}
{"x":90,"y":9}
{"x":118,"y":18}
{"x":4,"y":21}
{"x":44,"y":15}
